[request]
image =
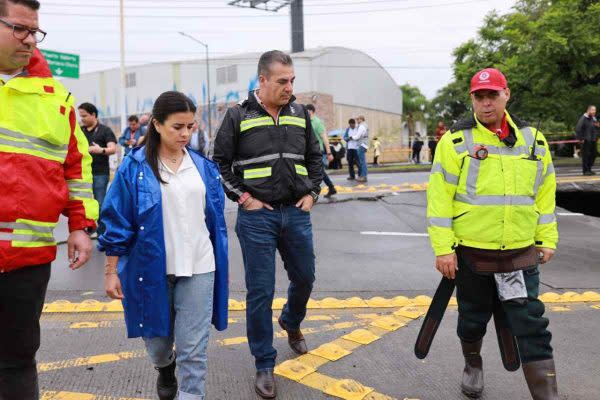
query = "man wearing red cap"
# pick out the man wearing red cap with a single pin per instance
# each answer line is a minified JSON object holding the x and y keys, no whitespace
{"x":491,"y":201}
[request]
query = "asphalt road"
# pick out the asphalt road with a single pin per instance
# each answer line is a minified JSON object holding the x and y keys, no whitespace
{"x":368,"y":245}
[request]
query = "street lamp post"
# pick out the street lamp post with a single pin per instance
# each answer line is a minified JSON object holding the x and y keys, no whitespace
{"x":207,"y":79}
{"x":122,"y":66}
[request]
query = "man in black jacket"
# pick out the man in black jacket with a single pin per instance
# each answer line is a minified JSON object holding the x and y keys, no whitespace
{"x":587,"y":131}
{"x":271,"y":166}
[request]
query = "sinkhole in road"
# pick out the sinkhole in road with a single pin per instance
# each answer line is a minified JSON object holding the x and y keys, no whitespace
{"x":585,"y":202}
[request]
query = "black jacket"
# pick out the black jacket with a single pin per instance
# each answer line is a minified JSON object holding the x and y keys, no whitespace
{"x":586,"y":129}
{"x":277,"y":162}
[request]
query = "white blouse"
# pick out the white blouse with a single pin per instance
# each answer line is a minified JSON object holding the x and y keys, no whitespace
{"x":188,"y":247}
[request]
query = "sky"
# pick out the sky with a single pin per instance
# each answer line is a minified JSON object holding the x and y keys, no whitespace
{"x":412,"y":39}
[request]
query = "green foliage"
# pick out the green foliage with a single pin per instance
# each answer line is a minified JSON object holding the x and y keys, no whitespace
{"x":414,"y":105}
{"x":550,"y":54}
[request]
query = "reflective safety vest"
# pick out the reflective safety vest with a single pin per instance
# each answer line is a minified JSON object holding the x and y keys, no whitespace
{"x":45,"y":167}
{"x":276,"y":160}
{"x":501,"y":201}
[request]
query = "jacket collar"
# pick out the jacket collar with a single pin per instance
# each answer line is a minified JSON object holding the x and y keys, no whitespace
{"x":138,"y":154}
{"x":38,"y":66}
{"x":253,"y":99}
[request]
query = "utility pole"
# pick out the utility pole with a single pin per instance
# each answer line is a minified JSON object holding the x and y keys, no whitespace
{"x":209,"y":127}
{"x":123,"y":82}
{"x":296,"y":14}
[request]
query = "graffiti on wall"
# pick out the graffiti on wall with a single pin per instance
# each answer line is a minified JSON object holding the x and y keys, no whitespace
{"x":219,"y":104}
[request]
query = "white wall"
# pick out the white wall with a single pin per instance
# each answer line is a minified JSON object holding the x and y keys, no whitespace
{"x":371,"y":88}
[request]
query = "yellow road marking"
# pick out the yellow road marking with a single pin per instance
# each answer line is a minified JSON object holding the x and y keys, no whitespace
{"x":304,"y":369}
{"x":91,"y":360}
{"x":568,"y":179}
{"x":91,"y":325}
{"x":90,"y":306}
{"x":48,"y":395}
{"x":282,"y":334}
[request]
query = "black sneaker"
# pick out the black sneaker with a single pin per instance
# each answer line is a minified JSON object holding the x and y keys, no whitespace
{"x":350,"y":178}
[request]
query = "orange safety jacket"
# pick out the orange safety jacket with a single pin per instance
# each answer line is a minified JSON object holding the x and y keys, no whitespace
{"x":45,"y":167}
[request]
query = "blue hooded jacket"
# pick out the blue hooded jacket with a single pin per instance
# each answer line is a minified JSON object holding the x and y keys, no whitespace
{"x":132,"y":213}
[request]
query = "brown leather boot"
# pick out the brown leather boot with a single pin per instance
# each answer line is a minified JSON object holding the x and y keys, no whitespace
{"x":472,"y":379}
{"x":541,"y":379}
{"x":295,"y":339}
{"x":265,"y":384}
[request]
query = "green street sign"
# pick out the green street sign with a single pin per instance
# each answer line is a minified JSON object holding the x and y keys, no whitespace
{"x":62,"y":65}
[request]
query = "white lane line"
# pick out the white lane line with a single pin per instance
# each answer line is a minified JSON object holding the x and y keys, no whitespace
{"x":570,"y":214}
{"x":394,"y":233}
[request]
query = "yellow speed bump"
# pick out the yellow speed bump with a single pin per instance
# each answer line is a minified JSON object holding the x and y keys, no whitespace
{"x":59,"y":306}
{"x":361,"y":336}
{"x":330,"y":302}
{"x":591,"y":296}
{"x":90,"y":306}
{"x":235,"y":305}
{"x":400,"y":301}
{"x":294,"y":370}
{"x":356,"y":302}
{"x":330,"y":351}
{"x":312,"y":304}
{"x":380,"y":302}
{"x":348,"y":389}
{"x":409,"y":312}
{"x":422,"y":301}
{"x":114,"y":306}
{"x":389,"y":323}
{"x":550,"y":297}
{"x":278,"y":303}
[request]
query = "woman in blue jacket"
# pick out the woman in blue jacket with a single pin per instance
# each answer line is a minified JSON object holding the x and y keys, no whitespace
{"x":166,"y":248}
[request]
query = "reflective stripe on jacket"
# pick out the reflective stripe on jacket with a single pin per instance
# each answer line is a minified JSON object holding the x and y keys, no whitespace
{"x":504,"y":201}
{"x":45,"y":167}
{"x":274,"y":160}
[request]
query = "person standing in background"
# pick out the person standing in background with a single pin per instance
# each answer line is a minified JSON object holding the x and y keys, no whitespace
{"x":351,"y":149}
{"x":132,"y":135}
{"x":587,"y":131}
{"x":103,"y":143}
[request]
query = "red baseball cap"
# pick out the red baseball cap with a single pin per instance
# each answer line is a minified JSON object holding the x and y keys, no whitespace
{"x":489,"y":78}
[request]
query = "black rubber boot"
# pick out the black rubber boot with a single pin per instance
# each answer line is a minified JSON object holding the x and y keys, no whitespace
{"x":166,"y":384}
{"x":541,"y":379}
{"x":472,"y":379}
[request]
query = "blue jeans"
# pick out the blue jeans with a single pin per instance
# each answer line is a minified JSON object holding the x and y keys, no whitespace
{"x":362,"y":161}
{"x":191,"y":312}
{"x":99,"y":185}
{"x":326,"y":178}
{"x":261,"y":232}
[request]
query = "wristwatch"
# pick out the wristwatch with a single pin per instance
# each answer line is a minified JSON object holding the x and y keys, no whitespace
{"x":315,"y":196}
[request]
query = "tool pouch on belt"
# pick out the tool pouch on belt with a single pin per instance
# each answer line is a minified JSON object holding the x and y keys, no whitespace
{"x":505,"y":265}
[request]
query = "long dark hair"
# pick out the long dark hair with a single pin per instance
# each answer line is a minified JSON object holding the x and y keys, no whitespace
{"x":167,"y":103}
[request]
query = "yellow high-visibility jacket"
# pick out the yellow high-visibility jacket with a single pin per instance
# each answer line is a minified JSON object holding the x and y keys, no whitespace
{"x":45,"y":167}
{"x":504,"y":201}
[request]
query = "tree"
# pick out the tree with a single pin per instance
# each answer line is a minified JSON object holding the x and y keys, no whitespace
{"x":414,"y":104}
{"x":550,"y":54}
